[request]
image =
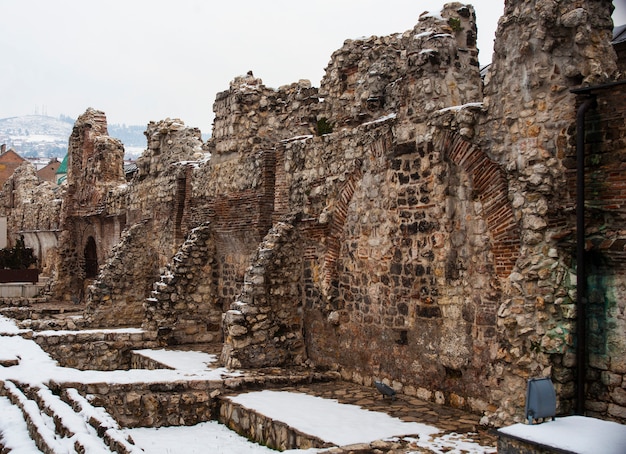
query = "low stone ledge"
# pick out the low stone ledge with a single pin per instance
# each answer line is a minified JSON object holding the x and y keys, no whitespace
{"x":512,"y":445}
{"x":98,"y":350}
{"x":179,"y":403}
{"x":139,"y":361}
{"x":265,"y":430}
{"x":263,"y":378}
{"x":21,"y":301}
{"x":564,"y":435}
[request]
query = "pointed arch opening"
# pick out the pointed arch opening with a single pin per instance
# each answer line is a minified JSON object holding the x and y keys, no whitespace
{"x":91,"y":258}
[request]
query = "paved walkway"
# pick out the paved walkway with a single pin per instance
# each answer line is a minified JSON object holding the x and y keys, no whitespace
{"x":410,"y":409}
{"x":407,"y":408}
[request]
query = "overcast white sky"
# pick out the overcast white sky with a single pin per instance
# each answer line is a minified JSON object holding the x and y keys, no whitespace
{"x":143,"y":60}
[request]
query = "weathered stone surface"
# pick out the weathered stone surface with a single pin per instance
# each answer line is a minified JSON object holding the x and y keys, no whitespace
{"x":406,"y":228}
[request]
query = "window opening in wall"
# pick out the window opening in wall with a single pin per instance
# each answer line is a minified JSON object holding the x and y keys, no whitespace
{"x":91,"y":258}
{"x":181,"y":195}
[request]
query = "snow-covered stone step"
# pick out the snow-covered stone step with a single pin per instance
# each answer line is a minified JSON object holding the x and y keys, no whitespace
{"x":40,"y":426}
{"x":14,"y":435}
{"x":102,"y":422}
{"x":69,"y":425}
{"x":265,"y":430}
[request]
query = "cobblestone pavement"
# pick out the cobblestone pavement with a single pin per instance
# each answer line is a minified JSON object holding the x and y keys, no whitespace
{"x":410,"y":409}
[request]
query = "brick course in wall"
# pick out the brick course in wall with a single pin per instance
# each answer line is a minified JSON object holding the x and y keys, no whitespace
{"x":405,"y":228}
{"x":605,"y":199}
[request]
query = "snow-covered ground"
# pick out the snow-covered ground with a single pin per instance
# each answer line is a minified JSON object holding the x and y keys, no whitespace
{"x":574,"y":434}
{"x":325,"y":418}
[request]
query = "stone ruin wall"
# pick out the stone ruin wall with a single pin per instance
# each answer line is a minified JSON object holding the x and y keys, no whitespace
{"x":421,"y":242}
{"x":265,"y":326}
{"x":542,"y":50}
{"x":234,"y":191}
{"x":183,"y":305}
{"x":138,"y":225}
{"x":161,"y":190}
{"x":515,"y":304}
{"x":605,"y":220}
{"x":154,"y":208}
{"x":412,"y":74}
{"x":388,"y":246}
{"x":94,"y":166}
{"x":117,"y":296}
{"x":32,"y":208}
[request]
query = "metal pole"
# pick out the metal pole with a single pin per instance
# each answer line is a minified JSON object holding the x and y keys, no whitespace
{"x":581,"y":276}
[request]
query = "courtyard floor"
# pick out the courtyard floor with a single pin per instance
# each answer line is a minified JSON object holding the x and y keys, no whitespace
{"x":413,"y":425}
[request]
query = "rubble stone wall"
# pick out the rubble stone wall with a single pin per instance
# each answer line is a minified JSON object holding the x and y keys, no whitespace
{"x":230,"y":194}
{"x":392,"y":235}
{"x":264,"y":327}
{"x":152,"y":404}
{"x":391,"y":231}
{"x":144,"y":222}
{"x":413,"y":74}
{"x":250,"y":116}
{"x":95,"y":166}
{"x":264,"y":430}
{"x":183,"y":307}
{"x":393,"y":224}
{"x":93,"y":350}
{"x":605,"y":197}
{"x":542,"y":50}
{"x":33,"y":208}
{"x":117,"y":296}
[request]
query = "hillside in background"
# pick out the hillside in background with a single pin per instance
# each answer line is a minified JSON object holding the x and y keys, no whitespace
{"x":40,"y":136}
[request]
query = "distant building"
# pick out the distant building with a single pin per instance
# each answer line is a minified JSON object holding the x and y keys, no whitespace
{"x":49,"y":172}
{"x":9,"y":161}
{"x":61,"y":173}
{"x":619,"y":44}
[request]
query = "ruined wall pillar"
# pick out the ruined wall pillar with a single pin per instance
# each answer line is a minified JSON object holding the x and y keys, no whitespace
{"x":95,"y":165}
{"x":543,"y":49}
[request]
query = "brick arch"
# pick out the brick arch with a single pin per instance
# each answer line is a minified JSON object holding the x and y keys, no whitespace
{"x":491,"y":188}
{"x":377,"y":149}
{"x":337,"y":222}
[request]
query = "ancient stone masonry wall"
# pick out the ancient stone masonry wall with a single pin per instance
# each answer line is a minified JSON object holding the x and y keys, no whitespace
{"x":235,"y":189}
{"x":93,"y":350}
{"x":391,"y":225}
{"x":148,"y":216}
{"x":161,"y":190}
{"x":183,"y":307}
{"x":264,"y":326}
{"x":30,"y":203}
{"x":229,"y":194}
{"x":184,"y":403}
{"x":542,"y":49}
{"x":250,"y":116}
{"x":95,"y":166}
{"x":398,"y":270}
{"x":605,"y":199}
{"x":116,"y":298}
{"x":411,"y":74}
{"x":407,"y":292}
{"x":33,"y":207}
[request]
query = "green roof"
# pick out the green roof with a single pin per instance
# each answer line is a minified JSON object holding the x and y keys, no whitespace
{"x":63,"y":167}
{"x":61,"y":172}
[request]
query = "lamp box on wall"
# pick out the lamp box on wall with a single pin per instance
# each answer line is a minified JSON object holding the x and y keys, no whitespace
{"x":540,"y":399}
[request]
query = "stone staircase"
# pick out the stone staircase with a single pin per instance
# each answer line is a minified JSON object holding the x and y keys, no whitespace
{"x":66,"y":423}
